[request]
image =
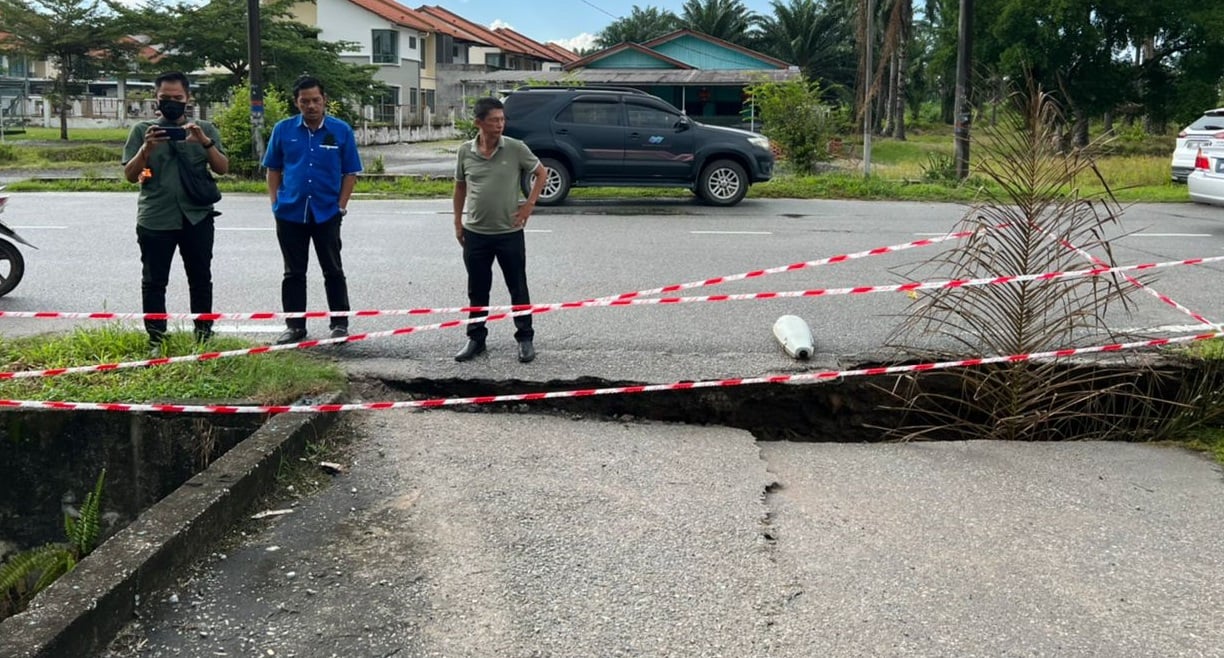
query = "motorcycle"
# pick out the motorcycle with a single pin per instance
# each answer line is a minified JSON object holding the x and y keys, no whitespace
{"x":12,"y":264}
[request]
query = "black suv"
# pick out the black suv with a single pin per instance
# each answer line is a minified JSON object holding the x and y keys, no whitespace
{"x":592,"y":136}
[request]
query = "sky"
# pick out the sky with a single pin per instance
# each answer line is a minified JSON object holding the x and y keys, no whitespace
{"x":571,"y":23}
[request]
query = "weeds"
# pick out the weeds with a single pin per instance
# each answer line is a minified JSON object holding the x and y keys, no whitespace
{"x":274,"y":378}
{"x":26,"y":574}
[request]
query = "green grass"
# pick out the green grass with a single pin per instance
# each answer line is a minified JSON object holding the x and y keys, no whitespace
{"x":276,"y":378}
{"x":32,"y":134}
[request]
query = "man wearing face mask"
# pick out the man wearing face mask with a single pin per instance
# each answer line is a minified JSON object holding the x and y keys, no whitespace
{"x":166,"y":219}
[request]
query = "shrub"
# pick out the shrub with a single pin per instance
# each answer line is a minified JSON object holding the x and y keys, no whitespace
{"x":235,"y":126}
{"x":793,"y":115}
{"x":8,"y":153}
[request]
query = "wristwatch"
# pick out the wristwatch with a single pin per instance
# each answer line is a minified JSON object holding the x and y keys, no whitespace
{"x":343,"y":212}
{"x":211,"y":143}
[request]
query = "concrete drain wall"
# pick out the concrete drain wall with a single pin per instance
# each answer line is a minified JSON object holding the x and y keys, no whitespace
{"x":51,"y":460}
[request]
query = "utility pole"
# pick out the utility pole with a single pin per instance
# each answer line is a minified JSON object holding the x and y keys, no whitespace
{"x":962,"y":111}
{"x":255,"y":66}
{"x":867,"y":78}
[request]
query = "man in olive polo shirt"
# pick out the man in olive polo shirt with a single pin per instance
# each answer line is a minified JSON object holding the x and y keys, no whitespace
{"x":487,"y":177}
{"x":166,"y":219}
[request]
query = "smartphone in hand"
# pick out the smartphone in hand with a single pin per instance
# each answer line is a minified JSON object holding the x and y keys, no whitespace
{"x":174,"y":133}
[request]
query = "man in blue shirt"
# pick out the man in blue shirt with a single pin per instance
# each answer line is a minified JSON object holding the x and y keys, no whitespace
{"x":312,"y":165}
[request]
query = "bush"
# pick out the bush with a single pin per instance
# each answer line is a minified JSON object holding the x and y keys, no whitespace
{"x":8,"y":153}
{"x":793,"y":115}
{"x":235,"y":126}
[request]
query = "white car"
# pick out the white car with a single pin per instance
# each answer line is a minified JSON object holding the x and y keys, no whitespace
{"x":1206,"y":182}
{"x":1206,"y":132}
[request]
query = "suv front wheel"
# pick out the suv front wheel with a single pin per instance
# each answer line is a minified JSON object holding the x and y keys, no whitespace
{"x":722,"y":183}
{"x":556,"y":183}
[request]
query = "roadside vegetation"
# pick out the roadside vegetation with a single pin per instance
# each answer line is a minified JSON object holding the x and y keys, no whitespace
{"x":276,"y":378}
{"x":914,"y":169}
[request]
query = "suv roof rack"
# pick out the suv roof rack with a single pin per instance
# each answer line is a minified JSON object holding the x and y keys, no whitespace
{"x":630,"y":90}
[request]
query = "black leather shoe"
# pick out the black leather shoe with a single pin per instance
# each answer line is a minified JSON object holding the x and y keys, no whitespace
{"x":339,"y":332}
{"x":471,"y":350}
{"x":203,"y":336}
{"x":526,"y":351}
{"x":291,"y":335}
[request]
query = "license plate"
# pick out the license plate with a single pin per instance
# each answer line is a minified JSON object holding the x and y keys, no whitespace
{"x":1197,"y":143}
{"x":1219,"y":166}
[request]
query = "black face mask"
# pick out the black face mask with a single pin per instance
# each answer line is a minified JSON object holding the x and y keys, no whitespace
{"x":171,"y":110}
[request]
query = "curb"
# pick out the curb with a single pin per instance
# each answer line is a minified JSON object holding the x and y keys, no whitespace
{"x":79,"y":614}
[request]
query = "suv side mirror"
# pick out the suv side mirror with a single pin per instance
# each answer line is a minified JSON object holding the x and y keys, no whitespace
{"x":682,"y":125}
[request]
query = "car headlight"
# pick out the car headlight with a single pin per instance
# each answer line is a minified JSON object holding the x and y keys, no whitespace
{"x":759,"y":141}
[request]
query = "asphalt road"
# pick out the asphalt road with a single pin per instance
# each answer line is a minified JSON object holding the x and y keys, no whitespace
{"x":515,"y":534}
{"x":402,"y":254}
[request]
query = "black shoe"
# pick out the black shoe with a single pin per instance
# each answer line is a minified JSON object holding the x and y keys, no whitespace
{"x":291,"y":335}
{"x":156,"y":349}
{"x":471,"y":350}
{"x":339,"y":332}
{"x":203,"y":336}
{"x":526,"y":351}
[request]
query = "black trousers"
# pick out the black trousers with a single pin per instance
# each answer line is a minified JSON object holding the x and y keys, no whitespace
{"x":195,"y":245}
{"x":510,"y":252}
{"x":295,"y":242}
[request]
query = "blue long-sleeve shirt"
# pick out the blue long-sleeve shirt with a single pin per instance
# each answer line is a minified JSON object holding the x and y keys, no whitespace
{"x":313,"y":163}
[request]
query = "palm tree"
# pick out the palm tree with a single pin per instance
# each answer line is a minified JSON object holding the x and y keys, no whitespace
{"x":639,"y":26}
{"x":814,"y":36}
{"x":728,"y":20}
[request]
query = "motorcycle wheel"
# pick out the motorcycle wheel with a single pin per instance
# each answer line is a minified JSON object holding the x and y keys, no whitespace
{"x":12,"y":267}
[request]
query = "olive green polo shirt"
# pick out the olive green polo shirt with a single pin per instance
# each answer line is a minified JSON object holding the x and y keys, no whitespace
{"x":493,"y":184}
{"x":162,"y":205}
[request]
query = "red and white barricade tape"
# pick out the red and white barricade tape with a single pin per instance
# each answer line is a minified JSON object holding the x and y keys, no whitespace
{"x":616,"y":300}
{"x":544,"y":308}
{"x":831,"y":260}
{"x":612,"y":390}
{"x":1164,"y":299}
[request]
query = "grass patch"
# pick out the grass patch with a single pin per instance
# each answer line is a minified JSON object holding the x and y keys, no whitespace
{"x":33,"y":134}
{"x":276,"y":378}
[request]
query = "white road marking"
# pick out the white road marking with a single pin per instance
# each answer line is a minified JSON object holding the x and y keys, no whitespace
{"x":32,"y":228}
{"x":269,"y":327}
{"x":1173,"y":329}
{"x":1168,"y":235}
{"x":246,"y":228}
{"x":731,"y":232}
{"x":537,"y":230}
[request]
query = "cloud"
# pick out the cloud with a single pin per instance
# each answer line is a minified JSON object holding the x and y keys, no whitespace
{"x":500,"y":23}
{"x":584,"y":41}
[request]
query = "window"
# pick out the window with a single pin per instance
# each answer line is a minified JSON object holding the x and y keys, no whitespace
{"x":412,"y":101}
{"x":591,"y":112}
{"x":385,"y":47}
{"x":643,"y":116}
{"x":411,"y":43}
{"x":384,"y":106}
{"x":427,"y":100}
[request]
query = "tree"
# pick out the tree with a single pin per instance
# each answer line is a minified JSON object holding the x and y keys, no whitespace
{"x":216,"y":34}
{"x":68,"y":33}
{"x":728,"y":20}
{"x":639,"y":26}
{"x":813,"y":36}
